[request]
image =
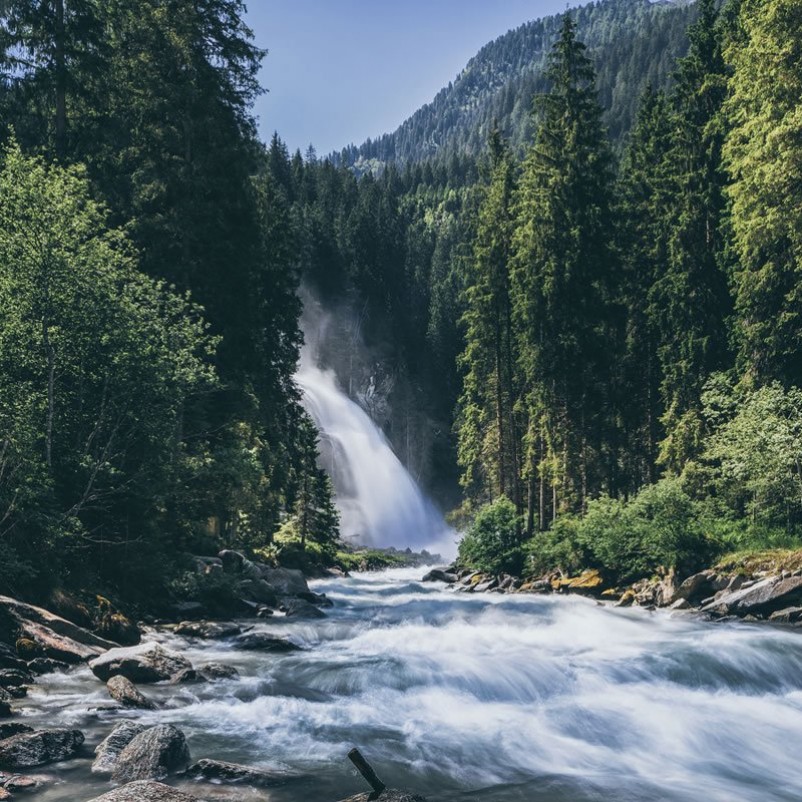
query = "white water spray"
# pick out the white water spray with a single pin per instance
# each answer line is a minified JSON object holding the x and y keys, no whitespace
{"x":380,"y":504}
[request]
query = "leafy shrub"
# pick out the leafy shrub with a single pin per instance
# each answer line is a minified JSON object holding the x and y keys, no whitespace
{"x":661,"y":527}
{"x":493,"y":542}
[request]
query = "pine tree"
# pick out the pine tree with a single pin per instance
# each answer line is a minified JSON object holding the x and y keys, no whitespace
{"x":690,"y":300}
{"x":644,"y":194}
{"x":762,"y":154}
{"x":487,"y":427}
{"x":564,"y":265}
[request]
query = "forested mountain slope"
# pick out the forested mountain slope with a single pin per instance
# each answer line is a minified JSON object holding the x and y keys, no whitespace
{"x":633,"y":43}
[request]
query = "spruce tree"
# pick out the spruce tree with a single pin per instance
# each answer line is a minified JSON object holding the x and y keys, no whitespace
{"x":563,"y":269}
{"x":762,"y":153}
{"x":690,"y":300}
{"x":488,"y":432}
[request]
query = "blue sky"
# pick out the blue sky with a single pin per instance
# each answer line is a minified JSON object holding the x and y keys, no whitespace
{"x":339,"y":71}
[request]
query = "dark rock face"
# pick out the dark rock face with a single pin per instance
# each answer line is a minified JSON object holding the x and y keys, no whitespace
{"x":790,"y":615}
{"x":298,"y":608}
{"x":108,"y":750}
{"x":124,"y":691}
{"x":259,"y":591}
{"x":29,"y":749}
{"x":387,"y":796}
{"x":262,"y":642}
{"x":220,"y":771}
{"x":145,"y":663}
{"x":10,"y":659}
{"x":208,"y":630}
{"x":145,"y":791}
{"x":5,"y":710}
{"x":212,"y":672}
{"x":152,"y":755}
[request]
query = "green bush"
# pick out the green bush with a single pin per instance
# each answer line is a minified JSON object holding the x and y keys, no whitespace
{"x":493,"y":542}
{"x":661,"y":527}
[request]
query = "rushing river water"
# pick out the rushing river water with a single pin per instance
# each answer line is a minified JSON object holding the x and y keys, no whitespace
{"x":491,"y":697}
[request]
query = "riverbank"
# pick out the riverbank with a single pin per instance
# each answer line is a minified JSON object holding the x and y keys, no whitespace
{"x":750,"y":586}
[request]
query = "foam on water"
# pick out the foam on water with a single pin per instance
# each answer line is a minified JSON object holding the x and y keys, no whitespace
{"x":496,"y":697}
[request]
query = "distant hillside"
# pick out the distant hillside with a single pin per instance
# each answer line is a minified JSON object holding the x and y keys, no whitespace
{"x":634,"y":43}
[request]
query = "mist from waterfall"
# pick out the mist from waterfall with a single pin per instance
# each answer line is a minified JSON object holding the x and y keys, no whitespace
{"x":380,"y":503}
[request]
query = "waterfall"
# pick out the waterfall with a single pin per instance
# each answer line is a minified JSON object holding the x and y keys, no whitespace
{"x":380,"y":504}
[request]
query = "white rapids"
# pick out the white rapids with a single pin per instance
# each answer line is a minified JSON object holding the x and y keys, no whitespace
{"x":510,"y":698}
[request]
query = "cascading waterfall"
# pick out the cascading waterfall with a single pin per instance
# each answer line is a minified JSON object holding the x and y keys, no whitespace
{"x":380,"y":504}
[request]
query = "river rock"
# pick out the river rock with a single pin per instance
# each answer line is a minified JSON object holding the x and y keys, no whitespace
{"x":388,"y":795}
{"x":221,"y":771}
{"x":152,"y":755}
{"x":5,"y":709}
{"x":262,"y":642}
{"x":21,"y":782}
{"x":440,"y":575}
{"x":318,"y":599}
{"x":46,"y":665}
{"x":790,"y":615}
{"x":146,"y":791}
{"x":55,"y":636}
{"x":761,"y":599}
{"x":109,"y":749}
{"x":208,"y":630}
{"x":10,"y":659}
{"x":12,"y":677}
{"x":124,"y":691}
{"x":298,"y":608}
{"x":212,"y":672}
{"x":13,"y":728}
{"x":587,"y":583}
{"x":148,"y":662}
{"x":259,"y":591}
{"x":29,"y":749}
{"x":286,"y":581}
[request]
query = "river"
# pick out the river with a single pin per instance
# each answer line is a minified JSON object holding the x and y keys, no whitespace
{"x":491,"y":697}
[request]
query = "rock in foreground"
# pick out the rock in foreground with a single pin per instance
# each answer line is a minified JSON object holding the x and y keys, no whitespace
{"x":148,"y":662}
{"x":108,"y":750}
{"x":30,"y":749}
{"x":146,"y":791}
{"x":262,"y":642}
{"x":152,"y":755}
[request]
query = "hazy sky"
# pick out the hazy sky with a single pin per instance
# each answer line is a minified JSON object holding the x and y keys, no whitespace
{"x":339,"y":71}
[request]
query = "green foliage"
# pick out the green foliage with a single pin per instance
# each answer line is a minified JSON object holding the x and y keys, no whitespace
{"x":493,"y":542}
{"x":368,"y":560}
{"x":660,"y":528}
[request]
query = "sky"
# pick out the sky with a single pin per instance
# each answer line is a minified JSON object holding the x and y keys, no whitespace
{"x":340,"y":71}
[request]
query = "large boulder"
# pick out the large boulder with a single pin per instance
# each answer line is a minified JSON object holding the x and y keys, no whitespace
{"x":152,"y":755}
{"x":55,"y":637}
{"x":761,"y":599}
{"x":124,"y":691}
{"x":147,"y":662}
{"x":109,"y":749}
{"x":259,"y":591}
{"x":212,"y":672}
{"x":440,"y":575}
{"x":29,"y":749}
{"x":286,"y":581}
{"x":14,"y":677}
{"x":146,"y":791}
{"x":13,"y":728}
{"x":221,"y":771}
{"x":299,"y":608}
{"x":120,"y":629}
